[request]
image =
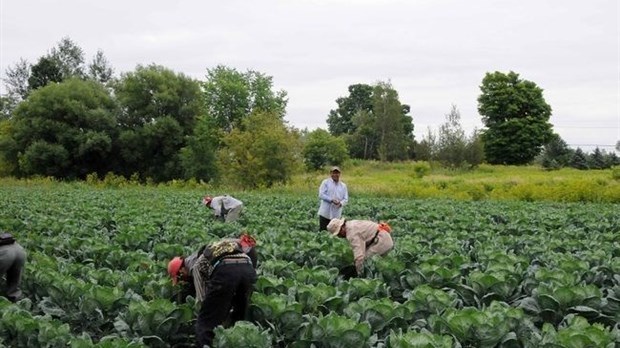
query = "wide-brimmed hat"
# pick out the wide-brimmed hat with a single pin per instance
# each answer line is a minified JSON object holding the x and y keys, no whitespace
{"x":335,"y":225}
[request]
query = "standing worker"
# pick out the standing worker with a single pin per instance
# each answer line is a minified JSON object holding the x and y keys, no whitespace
{"x":367,"y":238}
{"x":12,"y":261}
{"x":333,"y":195}
{"x":223,"y":275}
{"x":225,"y":207}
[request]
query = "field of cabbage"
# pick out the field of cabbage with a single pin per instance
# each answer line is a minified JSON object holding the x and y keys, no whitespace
{"x":462,"y":274}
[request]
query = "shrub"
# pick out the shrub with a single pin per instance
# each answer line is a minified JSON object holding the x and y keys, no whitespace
{"x":421,"y":169}
{"x":113,"y":180}
{"x":615,"y":173}
{"x":322,"y":148}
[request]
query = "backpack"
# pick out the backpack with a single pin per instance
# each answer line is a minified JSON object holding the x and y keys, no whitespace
{"x":218,"y":250}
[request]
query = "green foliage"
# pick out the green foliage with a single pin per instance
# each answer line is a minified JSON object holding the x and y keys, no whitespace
{"x":159,"y":320}
{"x":321,"y":148}
{"x":425,"y":150}
{"x":556,"y":153}
{"x":578,"y":333}
{"x":341,"y":120}
{"x":260,"y":155}
{"x":488,"y":327}
{"x":159,"y":111}
{"x":421,"y":169}
{"x":16,"y":84}
{"x":451,"y":141}
{"x":597,"y":159}
{"x":231,"y":96}
{"x":8,"y":152}
{"x":65,"y":130}
{"x":459,"y":271}
{"x":153,"y":92}
{"x":46,"y":159}
{"x":394,"y":128}
{"x":333,"y":330}
{"x":514,"y":141}
{"x":199,"y":157}
{"x":69,"y":58}
{"x":474,"y":149}
{"x":374,"y":122}
{"x":516,"y":116}
{"x":450,"y":146}
{"x":615,"y":173}
{"x":579,"y":160}
{"x":383,"y":315}
{"x":424,"y":339}
{"x":243,"y":334}
{"x":45,"y":71}
{"x":99,"y":69}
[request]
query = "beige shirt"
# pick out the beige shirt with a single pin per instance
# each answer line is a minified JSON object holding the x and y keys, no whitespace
{"x":361,"y":231}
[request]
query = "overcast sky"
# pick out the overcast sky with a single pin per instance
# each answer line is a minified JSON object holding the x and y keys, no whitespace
{"x":435,"y":53}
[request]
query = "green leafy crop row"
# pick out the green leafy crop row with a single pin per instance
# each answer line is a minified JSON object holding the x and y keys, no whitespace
{"x":462,"y":273}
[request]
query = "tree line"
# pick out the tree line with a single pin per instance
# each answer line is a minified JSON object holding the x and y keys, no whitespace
{"x":66,"y":118}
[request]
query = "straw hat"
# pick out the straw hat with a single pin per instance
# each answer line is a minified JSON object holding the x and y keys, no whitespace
{"x":335,"y":225}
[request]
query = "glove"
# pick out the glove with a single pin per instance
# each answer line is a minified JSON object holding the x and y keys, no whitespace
{"x":348,"y":272}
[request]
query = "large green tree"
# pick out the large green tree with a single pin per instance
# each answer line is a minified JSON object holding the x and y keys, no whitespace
{"x":579,"y":160}
{"x":516,"y":116}
{"x":65,"y":130}
{"x":393,"y":124}
{"x":159,"y":109}
{"x":262,"y":152}
{"x":363,"y":142}
{"x":100,"y":69}
{"x":65,"y":61}
{"x":231,"y":96}
{"x":341,"y":120}
{"x":374,"y":122}
{"x":556,"y":153}
{"x":451,"y":141}
{"x":199,"y":156}
{"x":16,"y":81}
{"x":450,"y":146}
{"x":69,"y":57}
{"x":45,"y":71}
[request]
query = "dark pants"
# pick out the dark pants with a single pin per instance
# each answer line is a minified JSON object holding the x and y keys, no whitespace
{"x":12,"y":261}
{"x":230,"y":286}
{"x":323,"y":222}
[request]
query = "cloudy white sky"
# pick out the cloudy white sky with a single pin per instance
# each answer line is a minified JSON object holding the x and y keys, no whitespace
{"x":435,"y":53}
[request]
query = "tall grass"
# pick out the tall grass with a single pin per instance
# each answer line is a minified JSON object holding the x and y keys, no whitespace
{"x":528,"y":183}
{"x":419,"y":180}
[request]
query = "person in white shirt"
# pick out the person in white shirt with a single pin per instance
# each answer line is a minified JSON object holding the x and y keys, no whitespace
{"x":225,"y":207}
{"x":333,"y":195}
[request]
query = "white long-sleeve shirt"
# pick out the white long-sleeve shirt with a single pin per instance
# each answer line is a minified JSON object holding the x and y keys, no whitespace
{"x":328,"y":191}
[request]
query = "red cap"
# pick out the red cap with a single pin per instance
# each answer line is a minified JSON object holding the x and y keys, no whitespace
{"x":247,"y":241}
{"x":173,"y":269}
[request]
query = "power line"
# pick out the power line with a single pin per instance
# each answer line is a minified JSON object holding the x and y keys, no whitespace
{"x":597,"y":145}
{"x":591,"y":127}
